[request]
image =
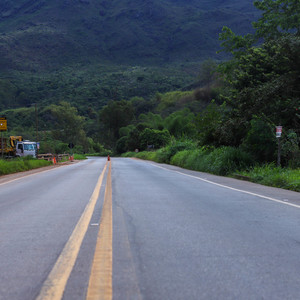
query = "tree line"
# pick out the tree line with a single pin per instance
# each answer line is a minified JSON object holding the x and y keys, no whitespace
{"x":239,"y":103}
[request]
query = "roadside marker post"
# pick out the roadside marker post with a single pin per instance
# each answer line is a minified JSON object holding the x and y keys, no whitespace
{"x":278,"y":136}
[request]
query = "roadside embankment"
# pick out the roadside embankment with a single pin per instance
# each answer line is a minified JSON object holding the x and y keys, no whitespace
{"x":21,"y":164}
{"x":225,"y":161}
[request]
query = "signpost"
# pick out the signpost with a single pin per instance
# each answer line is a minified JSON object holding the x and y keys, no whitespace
{"x":3,"y":127}
{"x":278,"y":135}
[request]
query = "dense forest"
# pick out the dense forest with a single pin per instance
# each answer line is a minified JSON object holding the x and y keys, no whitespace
{"x":217,"y":103}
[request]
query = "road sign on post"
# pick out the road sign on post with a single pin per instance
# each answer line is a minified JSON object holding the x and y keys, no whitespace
{"x":3,"y":124}
{"x":278,"y":135}
{"x":278,"y":131}
{"x":3,"y":127}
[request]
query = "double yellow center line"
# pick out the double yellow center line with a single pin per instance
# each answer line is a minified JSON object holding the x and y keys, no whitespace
{"x":100,"y":285}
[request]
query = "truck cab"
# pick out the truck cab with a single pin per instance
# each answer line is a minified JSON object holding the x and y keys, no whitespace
{"x":26,"y":148}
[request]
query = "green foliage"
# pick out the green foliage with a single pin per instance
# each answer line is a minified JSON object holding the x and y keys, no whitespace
{"x":207,"y":74}
{"x":264,"y":76}
{"x":151,"y":120}
{"x":170,"y":99}
{"x":147,"y":155}
{"x":220,"y":161}
{"x":181,"y":123}
{"x":68,"y":124}
{"x":185,"y":154}
{"x":209,"y":122}
{"x":290,"y":149}
{"x":261,"y":141}
{"x":154,"y":138}
{"x":128,"y":32}
{"x":79,"y":156}
{"x":112,"y":117}
{"x":226,"y":160}
{"x":235,"y":44}
{"x":279,"y":17}
{"x":21,"y":164}
{"x":165,"y":154}
{"x":275,"y":176}
{"x":121,"y":145}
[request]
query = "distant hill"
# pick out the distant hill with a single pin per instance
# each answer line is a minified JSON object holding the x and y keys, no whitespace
{"x":41,"y":35}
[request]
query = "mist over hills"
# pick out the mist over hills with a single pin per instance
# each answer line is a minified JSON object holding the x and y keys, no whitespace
{"x":45,"y":35}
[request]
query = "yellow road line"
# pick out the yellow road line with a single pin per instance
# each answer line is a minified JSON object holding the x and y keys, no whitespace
{"x":100,"y":284}
{"x":54,"y":286}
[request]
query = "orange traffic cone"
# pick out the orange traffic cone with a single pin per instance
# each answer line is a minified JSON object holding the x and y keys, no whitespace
{"x":54,"y":160}
{"x":108,"y":158}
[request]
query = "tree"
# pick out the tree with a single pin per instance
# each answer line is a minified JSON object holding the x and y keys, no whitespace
{"x":264,"y":73}
{"x":155,"y":138}
{"x":207,"y":72}
{"x":112,"y":117}
{"x":69,"y":126}
{"x":208,"y":123}
{"x":261,"y":141}
{"x":279,"y":17}
{"x":181,"y":123}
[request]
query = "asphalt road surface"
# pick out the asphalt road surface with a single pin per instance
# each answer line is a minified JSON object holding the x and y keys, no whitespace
{"x":131,"y":229}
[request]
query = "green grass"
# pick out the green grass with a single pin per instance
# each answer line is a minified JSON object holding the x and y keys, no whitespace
{"x":79,"y":156}
{"x":225,"y":161}
{"x":275,"y":176}
{"x":20,"y":164}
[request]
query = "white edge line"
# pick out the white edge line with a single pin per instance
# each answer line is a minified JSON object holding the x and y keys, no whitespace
{"x":230,"y":188}
{"x":28,"y":175}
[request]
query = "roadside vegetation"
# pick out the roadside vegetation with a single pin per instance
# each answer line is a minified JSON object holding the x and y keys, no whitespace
{"x":225,"y":161}
{"x":222,"y":122}
{"x":21,"y":164}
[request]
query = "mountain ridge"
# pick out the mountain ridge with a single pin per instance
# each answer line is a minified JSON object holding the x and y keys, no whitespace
{"x":44,"y":35}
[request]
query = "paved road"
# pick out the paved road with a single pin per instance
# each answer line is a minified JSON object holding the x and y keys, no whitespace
{"x":159,"y":232}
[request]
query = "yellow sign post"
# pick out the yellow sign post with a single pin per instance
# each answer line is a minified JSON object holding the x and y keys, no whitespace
{"x":3,"y":124}
{"x":3,"y":127}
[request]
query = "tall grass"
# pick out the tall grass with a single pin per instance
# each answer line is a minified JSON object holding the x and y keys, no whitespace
{"x":226,"y":161}
{"x":275,"y":176}
{"x":220,"y":161}
{"x":21,"y":164}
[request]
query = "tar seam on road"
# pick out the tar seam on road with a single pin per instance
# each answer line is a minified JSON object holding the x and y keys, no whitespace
{"x":231,"y":188}
{"x":54,"y":286}
{"x":100,"y":284}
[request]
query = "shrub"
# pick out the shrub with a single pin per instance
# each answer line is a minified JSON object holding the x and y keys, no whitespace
{"x":165,"y":154}
{"x":21,"y":164}
{"x":220,"y":161}
{"x":275,"y":176}
{"x":260,"y":141}
{"x":155,"y":138}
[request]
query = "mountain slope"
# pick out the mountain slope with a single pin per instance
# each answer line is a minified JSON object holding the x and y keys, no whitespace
{"x":45,"y":35}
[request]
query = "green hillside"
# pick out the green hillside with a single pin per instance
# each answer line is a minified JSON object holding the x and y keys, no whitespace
{"x":44,"y":35}
{"x":117,"y":76}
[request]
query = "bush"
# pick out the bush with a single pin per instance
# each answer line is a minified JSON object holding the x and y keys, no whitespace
{"x":155,"y":138}
{"x":165,"y":154}
{"x":220,"y":161}
{"x":21,"y":164}
{"x":275,"y":176}
{"x":261,"y":141}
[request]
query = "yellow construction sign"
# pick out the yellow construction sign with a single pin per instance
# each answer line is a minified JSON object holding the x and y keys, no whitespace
{"x":3,"y":124}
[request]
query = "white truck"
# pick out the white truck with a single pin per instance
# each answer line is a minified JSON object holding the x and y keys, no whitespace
{"x":16,"y":147}
{"x":25,"y":148}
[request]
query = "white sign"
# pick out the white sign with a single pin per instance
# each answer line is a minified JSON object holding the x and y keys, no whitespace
{"x":278,"y":131}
